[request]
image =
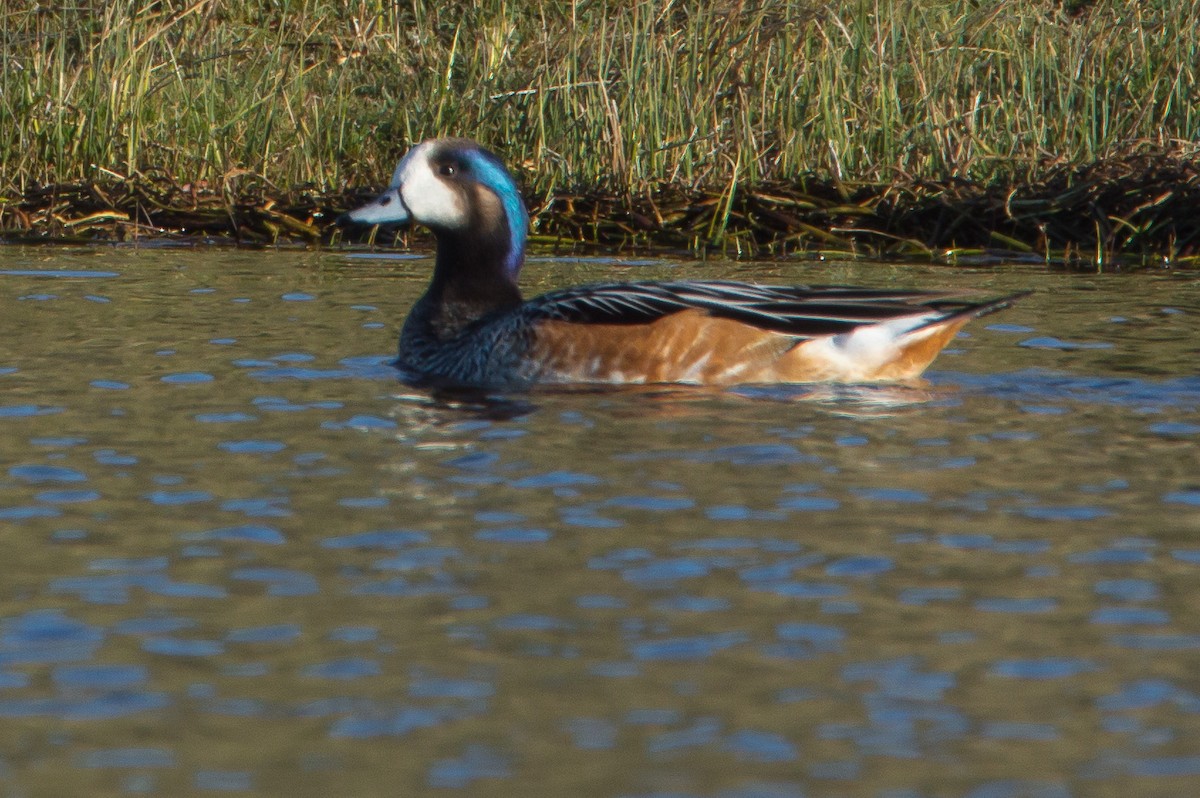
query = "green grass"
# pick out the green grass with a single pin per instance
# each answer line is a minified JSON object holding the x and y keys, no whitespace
{"x":616,"y":94}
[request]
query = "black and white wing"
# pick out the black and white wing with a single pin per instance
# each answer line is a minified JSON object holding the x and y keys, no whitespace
{"x":796,"y":310}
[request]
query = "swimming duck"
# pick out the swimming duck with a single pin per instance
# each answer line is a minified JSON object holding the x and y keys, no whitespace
{"x":473,"y":328}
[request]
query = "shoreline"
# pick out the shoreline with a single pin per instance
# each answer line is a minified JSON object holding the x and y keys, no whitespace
{"x":1137,"y":209}
{"x":1061,"y":131}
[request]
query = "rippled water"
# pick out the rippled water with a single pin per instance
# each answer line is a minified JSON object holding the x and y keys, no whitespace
{"x":241,"y":557}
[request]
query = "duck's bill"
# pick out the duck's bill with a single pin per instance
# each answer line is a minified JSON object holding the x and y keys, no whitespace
{"x":387,"y":208}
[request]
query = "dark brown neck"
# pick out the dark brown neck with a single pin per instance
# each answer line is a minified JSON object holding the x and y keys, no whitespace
{"x":469,"y":281}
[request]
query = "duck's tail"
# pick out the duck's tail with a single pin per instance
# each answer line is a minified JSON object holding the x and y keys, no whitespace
{"x":898,"y":349}
{"x":973,"y":310}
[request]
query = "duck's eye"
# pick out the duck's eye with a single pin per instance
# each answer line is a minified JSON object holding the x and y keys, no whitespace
{"x":447,"y":170}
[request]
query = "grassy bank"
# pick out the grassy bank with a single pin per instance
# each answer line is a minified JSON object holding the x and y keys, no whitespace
{"x":248,"y":103}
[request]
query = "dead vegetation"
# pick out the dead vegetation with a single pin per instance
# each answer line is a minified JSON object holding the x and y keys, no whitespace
{"x":1136,"y":208}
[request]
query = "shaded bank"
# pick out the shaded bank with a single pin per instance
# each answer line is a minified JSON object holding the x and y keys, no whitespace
{"x":1137,"y":208}
{"x":756,"y":125}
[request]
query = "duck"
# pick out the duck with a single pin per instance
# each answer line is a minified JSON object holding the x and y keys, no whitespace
{"x":472,"y":327}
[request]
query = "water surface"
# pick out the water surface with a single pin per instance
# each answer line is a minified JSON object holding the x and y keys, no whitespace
{"x":242,"y":557}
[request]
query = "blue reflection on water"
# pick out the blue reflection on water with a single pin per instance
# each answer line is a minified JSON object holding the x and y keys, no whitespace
{"x":245,"y":533}
{"x":667,"y":570}
{"x":513,"y":535}
{"x":188,"y":378}
{"x":128,"y":758}
{"x":1128,"y":589}
{"x":109,"y":677}
{"x":42,"y":636}
{"x":860,"y":565}
{"x":38,"y":474}
{"x":476,"y":762}
{"x":1017,"y":605}
{"x":345,"y":669}
{"x":652,"y":503}
{"x":759,"y":746}
{"x":275,"y":507}
{"x":361,"y":422}
{"x":223,"y":780}
{"x":182,"y":647}
{"x":25,"y":411}
{"x":279,"y":581}
{"x":1043,"y":385}
{"x":378,"y":721}
{"x":1017,"y":730}
{"x":278,"y":633}
{"x":1045,"y":668}
{"x":178,"y":497}
{"x":1139,"y":616}
{"x":686,"y":648}
{"x":591,"y":734}
{"x":380,"y":539}
{"x":103,"y":707}
{"x":59,"y":273}
{"x":1191,"y":497}
{"x":899,"y":495}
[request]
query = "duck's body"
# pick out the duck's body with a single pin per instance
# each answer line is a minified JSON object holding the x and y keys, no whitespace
{"x":473,"y":328}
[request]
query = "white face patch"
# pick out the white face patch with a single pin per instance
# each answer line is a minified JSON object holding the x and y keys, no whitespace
{"x":429,"y":199}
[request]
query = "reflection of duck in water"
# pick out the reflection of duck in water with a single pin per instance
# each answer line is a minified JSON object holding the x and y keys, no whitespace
{"x":472,"y":327}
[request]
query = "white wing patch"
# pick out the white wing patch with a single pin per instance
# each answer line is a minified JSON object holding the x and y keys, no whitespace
{"x":861,"y":353}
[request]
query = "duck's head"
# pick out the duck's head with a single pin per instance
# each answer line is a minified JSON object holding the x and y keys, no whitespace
{"x":461,"y":192}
